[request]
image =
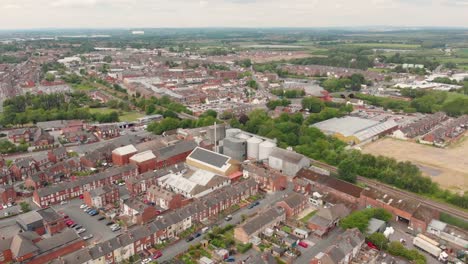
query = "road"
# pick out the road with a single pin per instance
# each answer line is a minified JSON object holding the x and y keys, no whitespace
{"x":400,"y":193}
{"x":181,"y":246}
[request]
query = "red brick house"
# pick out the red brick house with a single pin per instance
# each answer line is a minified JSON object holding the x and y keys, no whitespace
{"x":21,"y":135}
{"x":138,"y":212}
{"x":163,"y":198}
{"x":101,"y":197}
{"x":327,"y":219}
{"x":106,"y":131}
{"x":56,"y":155}
{"x":23,"y":168}
{"x":53,"y":222}
{"x":293,"y":204}
{"x":7,"y":194}
{"x":268,"y":180}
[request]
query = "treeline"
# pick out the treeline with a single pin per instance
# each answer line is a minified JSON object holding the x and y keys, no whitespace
{"x":11,"y":59}
{"x":291,"y":130}
{"x":30,"y":108}
{"x":354,"y":83}
{"x":172,"y":122}
{"x":409,"y":58}
{"x":289,"y":93}
{"x":151,"y":105}
{"x":6,"y":147}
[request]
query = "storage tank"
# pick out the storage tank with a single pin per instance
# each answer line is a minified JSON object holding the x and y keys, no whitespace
{"x":253,"y":145}
{"x":243,"y":136}
{"x":265,"y":149}
{"x":232,"y":132}
{"x":220,"y":132}
{"x":235,"y":148}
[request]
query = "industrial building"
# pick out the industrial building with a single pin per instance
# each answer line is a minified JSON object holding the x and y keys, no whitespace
{"x":355,"y":130}
{"x":241,"y":145}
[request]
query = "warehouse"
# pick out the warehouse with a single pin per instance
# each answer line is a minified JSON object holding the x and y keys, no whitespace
{"x":356,"y":130}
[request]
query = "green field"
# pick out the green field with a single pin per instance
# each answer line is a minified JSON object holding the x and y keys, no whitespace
{"x":453,"y":96}
{"x":83,"y":87}
{"x":123,"y":116}
{"x":379,"y":45}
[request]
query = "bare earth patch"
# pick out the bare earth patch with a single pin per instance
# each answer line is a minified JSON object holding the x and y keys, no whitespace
{"x":448,"y":167}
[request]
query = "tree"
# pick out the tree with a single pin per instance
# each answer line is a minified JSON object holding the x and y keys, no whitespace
{"x":50,"y":77}
{"x":25,"y":207}
{"x":379,"y":240}
{"x":107,"y":59}
{"x":252,"y":84}
{"x":313,"y":104}
{"x":347,"y":170}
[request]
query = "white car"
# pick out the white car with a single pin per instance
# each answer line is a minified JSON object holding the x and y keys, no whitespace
{"x":88,"y":237}
{"x":4,"y":206}
{"x":82,"y":230}
{"x":83,"y":206}
{"x":63,"y":202}
{"x":145,"y":261}
{"x":9,"y":205}
{"x":114,"y":226}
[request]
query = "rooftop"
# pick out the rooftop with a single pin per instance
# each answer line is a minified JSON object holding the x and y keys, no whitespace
{"x":347,"y":126}
{"x":129,"y":149}
{"x":209,"y":157}
{"x":143,"y":156}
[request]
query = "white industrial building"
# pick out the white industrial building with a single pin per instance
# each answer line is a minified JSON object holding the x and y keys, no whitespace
{"x":286,"y":161}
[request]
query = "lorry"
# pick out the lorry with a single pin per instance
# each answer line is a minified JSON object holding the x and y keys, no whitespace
{"x":429,"y":248}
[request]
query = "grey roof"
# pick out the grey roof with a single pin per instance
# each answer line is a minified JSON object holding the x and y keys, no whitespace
{"x":176,"y":149}
{"x":209,"y":157}
{"x":52,"y":124}
{"x":49,"y":214}
{"x":375,"y":225}
{"x":438,"y":225}
{"x":21,"y":246}
{"x":58,"y":240}
{"x":81,"y":256}
{"x":29,"y":218}
{"x":294,"y":200}
{"x":347,"y":126}
{"x":262,"y":219}
{"x":334,"y":212}
{"x":286,"y":155}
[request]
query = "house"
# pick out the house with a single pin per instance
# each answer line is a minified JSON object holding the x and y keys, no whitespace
{"x":287,"y":162}
{"x":106,"y":131}
{"x":22,"y":168}
{"x":121,"y":156}
{"x":56,"y":155}
{"x":7,"y":194}
{"x":42,"y":138}
{"x":101,"y":197}
{"x":31,"y":221}
{"x":137,"y":211}
{"x":269,"y":218}
{"x":268,"y":180}
{"x":326,"y":219}
{"x":163,"y":198}
{"x":294,"y":204}
{"x":21,"y":135}
{"x":343,"y":251}
{"x":211,"y":161}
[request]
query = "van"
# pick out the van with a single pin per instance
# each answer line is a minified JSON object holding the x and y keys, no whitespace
{"x":205,"y":229}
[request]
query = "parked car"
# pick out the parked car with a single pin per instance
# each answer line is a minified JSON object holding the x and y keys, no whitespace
{"x":230,"y":259}
{"x":145,"y":261}
{"x":88,"y":210}
{"x":81,"y":196}
{"x":83,"y":206}
{"x":197,"y":235}
{"x":91,"y":212}
{"x":303,"y":244}
{"x":65,"y":216}
{"x":190,"y":238}
{"x":101,"y":218}
{"x":115,"y":229}
{"x":69,"y":223}
{"x":205,"y":229}
{"x":110,"y":223}
{"x":78,"y":227}
{"x":63,"y":202}
{"x":228,"y":218}
{"x":88,"y":237}
{"x":157,"y":255}
{"x":82,"y":230}
{"x":74,"y":225}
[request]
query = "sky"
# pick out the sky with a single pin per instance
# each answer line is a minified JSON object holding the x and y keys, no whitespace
{"x":30,"y":14}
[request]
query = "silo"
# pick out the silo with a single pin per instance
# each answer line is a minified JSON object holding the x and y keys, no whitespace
{"x":220,"y":132}
{"x":235,"y":148}
{"x":232,"y":132}
{"x":253,"y":145}
{"x":243,"y":136}
{"x":265,"y":149}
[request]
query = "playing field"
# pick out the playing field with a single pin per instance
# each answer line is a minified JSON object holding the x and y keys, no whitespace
{"x":448,"y":167}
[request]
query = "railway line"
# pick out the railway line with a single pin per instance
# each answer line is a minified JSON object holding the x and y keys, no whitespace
{"x":401,"y":193}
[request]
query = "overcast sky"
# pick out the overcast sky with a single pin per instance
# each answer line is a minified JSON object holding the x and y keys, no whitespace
{"x":16,"y":14}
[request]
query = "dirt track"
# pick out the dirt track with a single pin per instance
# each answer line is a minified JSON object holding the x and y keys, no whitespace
{"x":448,"y":167}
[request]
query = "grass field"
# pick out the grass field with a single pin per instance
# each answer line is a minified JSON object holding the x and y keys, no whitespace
{"x":379,"y":45}
{"x":448,"y":167}
{"x":123,"y":116}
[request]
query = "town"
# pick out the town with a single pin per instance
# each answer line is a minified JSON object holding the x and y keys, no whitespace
{"x":179,"y":152}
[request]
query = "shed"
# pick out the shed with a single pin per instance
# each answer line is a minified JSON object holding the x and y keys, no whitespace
{"x":376,"y":226}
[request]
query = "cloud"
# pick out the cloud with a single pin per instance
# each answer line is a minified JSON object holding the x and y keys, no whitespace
{"x":11,"y":6}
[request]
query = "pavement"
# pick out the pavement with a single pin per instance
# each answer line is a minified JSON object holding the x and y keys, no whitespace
{"x":100,"y":231}
{"x":181,"y":246}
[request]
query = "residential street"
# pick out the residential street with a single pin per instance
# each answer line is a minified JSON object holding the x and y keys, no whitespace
{"x":181,"y":246}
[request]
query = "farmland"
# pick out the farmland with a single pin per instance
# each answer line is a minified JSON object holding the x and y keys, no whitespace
{"x":448,"y":167}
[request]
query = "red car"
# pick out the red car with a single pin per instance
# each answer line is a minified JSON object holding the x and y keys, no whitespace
{"x":81,"y":196}
{"x":69,"y":223}
{"x":303,"y":244}
{"x":157,"y":255}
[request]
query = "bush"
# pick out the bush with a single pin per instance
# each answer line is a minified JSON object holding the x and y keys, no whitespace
{"x":360,"y":219}
{"x":242,"y":248}
{"x":379,"y":240}
{"x":397,"y":249}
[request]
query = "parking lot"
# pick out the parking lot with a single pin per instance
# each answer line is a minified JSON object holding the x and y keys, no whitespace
{"x":98,"y":229}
